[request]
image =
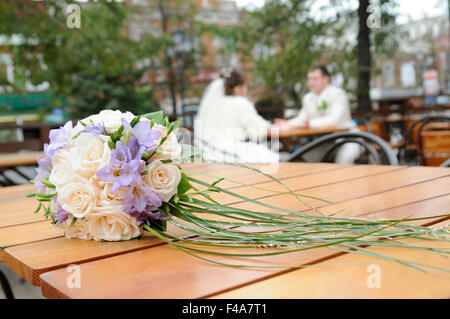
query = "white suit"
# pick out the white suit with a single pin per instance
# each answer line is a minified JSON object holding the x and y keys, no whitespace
{"x":329,"y":108}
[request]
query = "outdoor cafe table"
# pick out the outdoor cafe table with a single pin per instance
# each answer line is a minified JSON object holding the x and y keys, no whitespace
{"x":16,"y":159}
{"x":302,"y":132}
{"x":149,"y":268}
{"x":292,"y":137}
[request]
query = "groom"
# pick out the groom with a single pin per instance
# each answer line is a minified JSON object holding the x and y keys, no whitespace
{"x":322,"y":107}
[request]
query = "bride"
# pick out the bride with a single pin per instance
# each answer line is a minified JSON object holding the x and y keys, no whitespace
{"x":227,"y":127}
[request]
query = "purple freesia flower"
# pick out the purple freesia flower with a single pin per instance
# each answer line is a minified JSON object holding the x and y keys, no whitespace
{"x":94,"y":129}
{"x":145,"y":217}
{"x":120,"y":155}
{"x":141,"y":202}
{"x":123,"y":175}
{"x":41,"y":174}
{"x":136,"y":149}
{"x":143,"y":133}
{"x":60,"y":216}
{"x":58,"y":138}
{"x":141,"y":198}
{"x":45,"y":163}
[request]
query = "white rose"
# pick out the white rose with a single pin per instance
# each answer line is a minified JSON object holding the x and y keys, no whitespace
{"x":78,"y":198}
{"x":79,"y":229}
{"x":109,"y":222}
{"x":163,"y":179}
{"x":62,"y":172}
{"x":170,"y":149}
{"x":108,"y":195}
{"x":113,"y":119}
{"x":90,"y":153}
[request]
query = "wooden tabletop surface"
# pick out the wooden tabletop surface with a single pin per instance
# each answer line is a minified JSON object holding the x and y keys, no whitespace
{"x":149,"y":268}
{"x":300,"y":132}
{"x":16,"y":159}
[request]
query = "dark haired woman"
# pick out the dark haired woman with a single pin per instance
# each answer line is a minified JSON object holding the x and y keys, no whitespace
{"x":228,"y":127}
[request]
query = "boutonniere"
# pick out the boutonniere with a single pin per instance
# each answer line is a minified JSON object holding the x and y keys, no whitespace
{"x":322,"y":106}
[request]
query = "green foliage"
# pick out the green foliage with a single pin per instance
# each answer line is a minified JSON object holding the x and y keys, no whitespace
{"x":91,"y":93}
{"x":285,"y":38}
{"x":95,"y":66}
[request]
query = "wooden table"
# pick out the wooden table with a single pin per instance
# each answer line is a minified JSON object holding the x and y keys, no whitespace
{"x":16,"y":159}
{"x":291,"y":138}
{"x":148,"y":268}
{"x":301,"y":132}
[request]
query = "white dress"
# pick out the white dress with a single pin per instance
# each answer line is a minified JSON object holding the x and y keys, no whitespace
{"x":228,"y":128}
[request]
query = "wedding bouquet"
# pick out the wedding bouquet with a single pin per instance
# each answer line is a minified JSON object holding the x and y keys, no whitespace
{"x":114,"y":175}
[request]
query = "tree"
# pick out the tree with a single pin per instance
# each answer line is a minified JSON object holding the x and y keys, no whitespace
{"x":95,"y":66}
{"x":174,"y":15}
{"x":364,"y":57}
{"x":284,"y":38}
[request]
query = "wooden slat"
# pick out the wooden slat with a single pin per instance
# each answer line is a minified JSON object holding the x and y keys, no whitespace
{"x":297,"y":183}
{"x":19,"y":211}
{"x":173,"y":274}
{"x":16,"y":209}
{"x":35,"y":263}
{"x":193,"y":269}
{"x":31,"y":259}
{"x":27,"y":233}
{"x":63,"y":244}
{"x":284,"y":172}
{"x":15,"y":192}
{"x":399,"y":181}
{"x":16,"y":159}
{"x":347,"y":277}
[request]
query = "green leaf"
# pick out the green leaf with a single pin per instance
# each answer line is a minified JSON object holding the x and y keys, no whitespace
{"x":174,"y":126}
{"x":158,"y":117}
{"x":160,"y":225}
{"x":47,"y":183}
{"x":184,"y":184}
{"x":217,"y":181}
{"x":145,"y":156}
{"x":135,"y":121}
{"x":74,"y":219}
{"x":166,"y":121}
{"x":38,"y":208}
{"x":111,"y":145}
{"x":176,"y":199}
{"x":30,"y":194}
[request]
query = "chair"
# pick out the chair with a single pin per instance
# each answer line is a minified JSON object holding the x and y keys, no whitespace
{"x":415,"y":134}
{"x":446,"y":163}
{"x":189,"y":114}
{"x":376,"y":148}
